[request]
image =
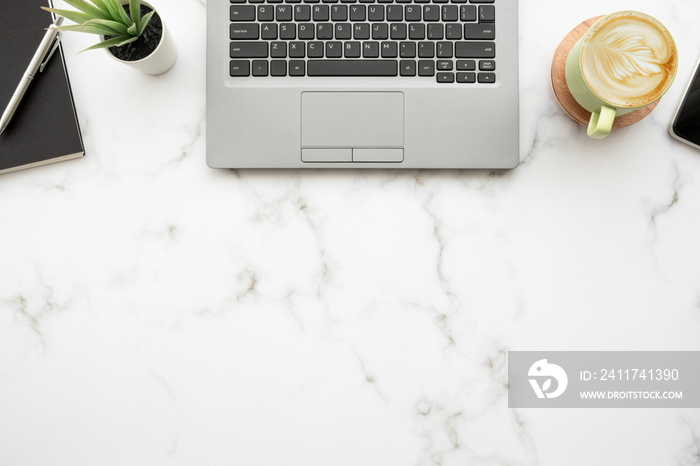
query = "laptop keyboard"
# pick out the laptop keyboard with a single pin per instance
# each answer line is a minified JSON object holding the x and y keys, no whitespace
{"x":450,"y":41}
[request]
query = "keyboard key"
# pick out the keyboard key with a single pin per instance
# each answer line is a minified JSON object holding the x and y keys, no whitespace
{"x":288,"y":31}
{"x":436,"y":31}
{"x":408,"y":67}
{"x":259,"y":67}
{"x":324,"y":31}
{"x":487,"y":78}
{"x":334,"y":49}
{"x":352,"y":67}
{"x":390,"y":50}
{"x":487,"y":65}
{"x":339,"y":13}
{"x":314,"y":49}
{"x":426,"y":68}
{"x":242,"y":13}
{"x":412,"y":13}
{"x":426,"y":49}
{"x":297,"y":68}
{"x":453,"y":31}
{"x":398,"y":31}
{"x":466,"y":78}
{"x":278,"y":49}
{"x":240,"y":68}
{"x":467,"y":13}
{"x":297,"y":50}
{"x":475,"y":50}
{"x":343,"y":31}
{"x":284,"y":13}
{"x":487,"y":13}
{"x":394,"y":13}
{"x":479,"y":31}
{"x":360,"y":31}
{"x":375,"y":12}
{"x":444,"y":65}
{"x":269,"y":31}
{"x":380,"y":31}
{"x":278,"y":68}
{"x":444,"y":49}
{"x":352,"y":49}
{"x":302,"y":13}
{"x":248,"y":49}
{"x":321,"y":13}
{"x":370,"y":49}
{"x":431,"y":13}
{"x":306,"y":31}
{"x":450,"y":13}
{"x":266,"y":13}
{"x":416,"y":31}
{"x":358,"y":13}
{"x":408,"y":49}
{"x":445,"y":77}
{"x":466,"y":65}
{"x":245,"y":31}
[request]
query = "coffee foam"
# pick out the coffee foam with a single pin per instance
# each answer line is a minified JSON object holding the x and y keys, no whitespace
{"x":629,"y":59}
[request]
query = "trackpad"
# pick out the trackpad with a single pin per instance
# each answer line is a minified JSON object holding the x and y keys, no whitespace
{"x":353,"y":120}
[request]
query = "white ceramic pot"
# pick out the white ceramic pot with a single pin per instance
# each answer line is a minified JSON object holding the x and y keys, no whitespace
{"x":163,"y":57}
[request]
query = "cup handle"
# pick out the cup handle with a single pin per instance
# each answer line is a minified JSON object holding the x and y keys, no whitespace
{"x":601,"y":122}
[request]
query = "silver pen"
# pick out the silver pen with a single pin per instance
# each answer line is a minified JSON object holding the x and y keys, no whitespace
{"x":42,"y":56}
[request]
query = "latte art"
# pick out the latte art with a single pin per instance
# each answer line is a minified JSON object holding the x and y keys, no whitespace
{"x":629,"y":59}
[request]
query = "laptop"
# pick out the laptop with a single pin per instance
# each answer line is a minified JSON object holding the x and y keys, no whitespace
{"x":379,"y":84}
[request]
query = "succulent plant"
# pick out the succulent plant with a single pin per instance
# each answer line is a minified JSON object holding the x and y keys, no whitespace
{"x":107,"y":18}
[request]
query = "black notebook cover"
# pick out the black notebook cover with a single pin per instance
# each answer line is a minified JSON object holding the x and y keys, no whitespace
{"x":45,"y":128}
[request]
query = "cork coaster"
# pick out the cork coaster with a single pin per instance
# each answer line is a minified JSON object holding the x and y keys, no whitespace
{"x":561,"y":91}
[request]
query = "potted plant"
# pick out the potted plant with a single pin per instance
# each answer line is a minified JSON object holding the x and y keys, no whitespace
{"x":131,"y":31}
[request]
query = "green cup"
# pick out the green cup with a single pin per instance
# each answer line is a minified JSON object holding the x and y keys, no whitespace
{"x":625,"y":61}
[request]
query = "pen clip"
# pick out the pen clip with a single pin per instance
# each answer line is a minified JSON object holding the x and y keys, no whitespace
{"x":55,"y":45}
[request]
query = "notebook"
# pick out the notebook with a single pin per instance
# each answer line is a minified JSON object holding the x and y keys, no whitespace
{"x":362,"y":84}
{"x":45,"y":127}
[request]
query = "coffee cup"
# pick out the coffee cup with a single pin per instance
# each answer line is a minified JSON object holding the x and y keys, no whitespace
{"x":625,"y":61}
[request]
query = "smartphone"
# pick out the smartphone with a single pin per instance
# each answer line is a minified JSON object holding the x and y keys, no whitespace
{"x":686,"y":123}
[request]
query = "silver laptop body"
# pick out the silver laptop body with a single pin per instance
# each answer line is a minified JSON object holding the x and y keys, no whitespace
{"x":322,"y":120}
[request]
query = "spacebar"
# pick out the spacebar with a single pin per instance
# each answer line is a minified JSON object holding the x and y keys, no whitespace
{"x":352,"y":68}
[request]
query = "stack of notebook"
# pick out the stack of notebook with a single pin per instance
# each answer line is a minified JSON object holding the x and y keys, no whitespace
{"x":45,"y":128}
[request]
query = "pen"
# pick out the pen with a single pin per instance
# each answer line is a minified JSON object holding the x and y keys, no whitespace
{"x":41,"y":57}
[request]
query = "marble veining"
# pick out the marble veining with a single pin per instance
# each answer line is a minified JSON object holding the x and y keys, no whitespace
{"x":666,"y":207}
{"x":690,"y":455}
{"x":155,"y":311}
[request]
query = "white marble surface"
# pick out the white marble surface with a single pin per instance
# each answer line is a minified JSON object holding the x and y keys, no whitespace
{"x":156,"y":312}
